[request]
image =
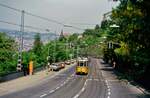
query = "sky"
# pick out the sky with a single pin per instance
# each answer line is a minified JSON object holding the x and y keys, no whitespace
{"x":79,"y":13}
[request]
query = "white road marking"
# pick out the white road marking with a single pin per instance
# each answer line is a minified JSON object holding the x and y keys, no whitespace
{"x":76,"y":96}
{"x":57,"y":87}
{"x":108,"y":96}
{"x":43,"y":95}
{"x":53,"y":76}
{"x":51,"y":91}
{"x":108,"y":89}
{"x":82,"y":90}
{"x":109,"y":93}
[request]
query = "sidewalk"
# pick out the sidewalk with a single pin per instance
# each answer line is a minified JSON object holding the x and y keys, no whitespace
{"x":27,"y":81}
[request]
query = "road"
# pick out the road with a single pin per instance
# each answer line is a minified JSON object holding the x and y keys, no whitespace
{"x":101,"y":82}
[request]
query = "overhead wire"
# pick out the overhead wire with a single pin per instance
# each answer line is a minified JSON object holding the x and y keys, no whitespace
{"x":26,"y":26}
{"x":84,"y":23}
{"x":40,"y":17}
{"x":31,"y":27}
{"x":6,"y":6}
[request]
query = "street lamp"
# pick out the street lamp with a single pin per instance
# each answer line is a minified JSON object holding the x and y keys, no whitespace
{"x":104,"y":37}
{"x":114,"y":26}
{"x":110,"y":44}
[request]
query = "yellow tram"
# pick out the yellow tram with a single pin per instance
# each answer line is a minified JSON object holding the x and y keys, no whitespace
{"x":82,"y":66}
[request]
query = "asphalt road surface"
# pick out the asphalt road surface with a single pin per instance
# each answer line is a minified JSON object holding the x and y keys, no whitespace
{"x":101,"y":82}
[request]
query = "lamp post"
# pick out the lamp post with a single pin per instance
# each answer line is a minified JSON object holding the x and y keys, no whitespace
{"x":110,"y":44}
{"x":114,"y":26}
{"x":67,"y":43}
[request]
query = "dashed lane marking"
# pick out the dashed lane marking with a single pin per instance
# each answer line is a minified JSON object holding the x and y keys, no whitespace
{"x":43,"y":95}
{"x":57,"y":87}
{"x":109,"y":93}
{"x":76,"y":96}
{"x":108,"y":96}
{"x":51,"y":91}
{"x":82,"y":90}
{"x":108,"y":89}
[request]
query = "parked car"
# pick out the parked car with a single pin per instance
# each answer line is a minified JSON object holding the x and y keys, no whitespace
{"x":67,"y":62}
{"x":62,"y":64}
{"x":72,"y":61}
{"x":55,"y":67}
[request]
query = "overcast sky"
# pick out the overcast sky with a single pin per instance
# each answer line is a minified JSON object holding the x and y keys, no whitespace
{"x":72,"y":12}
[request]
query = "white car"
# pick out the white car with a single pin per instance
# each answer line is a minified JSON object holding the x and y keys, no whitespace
{"x":55,"y":67}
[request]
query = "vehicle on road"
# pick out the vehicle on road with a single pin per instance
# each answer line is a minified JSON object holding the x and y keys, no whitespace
{"x":72,"y":61}
{"x":67,"y":62}
{"x":82,"y":66}
{"x":55,"y":67}
{"x":62,"y":64}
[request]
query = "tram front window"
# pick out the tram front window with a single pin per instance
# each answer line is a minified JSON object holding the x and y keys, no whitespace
{"x":81,"y":64}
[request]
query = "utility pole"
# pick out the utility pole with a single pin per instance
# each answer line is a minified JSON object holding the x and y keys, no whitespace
{"x":19,"y":66}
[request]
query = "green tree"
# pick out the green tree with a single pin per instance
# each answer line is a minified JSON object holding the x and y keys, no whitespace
{"x":8,"y":54}
{"x":133,"y":55}
{"x":37,"y":48}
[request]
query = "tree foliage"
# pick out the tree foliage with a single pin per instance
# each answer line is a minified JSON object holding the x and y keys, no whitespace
{"x":133,"y":55}
{"x":37,"y":48}
{"x":8,"y":54}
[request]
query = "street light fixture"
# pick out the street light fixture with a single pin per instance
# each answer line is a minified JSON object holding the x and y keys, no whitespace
{"x":114,"y":26}
{"x":104,"y":37}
